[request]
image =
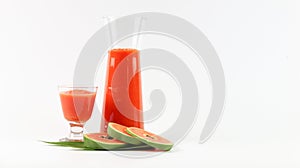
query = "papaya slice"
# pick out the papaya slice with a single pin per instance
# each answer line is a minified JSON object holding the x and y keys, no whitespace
{"x":119,"y":132}
{"x":102,"y":141}
{"x":150,"y":139}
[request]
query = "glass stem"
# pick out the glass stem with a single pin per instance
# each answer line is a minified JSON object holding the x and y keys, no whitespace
{"x":76,"y":132}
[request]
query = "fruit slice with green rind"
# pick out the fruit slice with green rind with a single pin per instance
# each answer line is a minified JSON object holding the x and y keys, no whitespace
{"x":150,"y":138}
{"x":102,"y":141}
{"x":119,"y":132}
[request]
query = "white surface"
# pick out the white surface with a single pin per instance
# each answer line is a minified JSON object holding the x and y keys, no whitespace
{"x":187,"y":154}
{"x":257,"y":42}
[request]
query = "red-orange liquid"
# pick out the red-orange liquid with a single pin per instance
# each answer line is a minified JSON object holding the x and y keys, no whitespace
{"x":123,"y":90}
{"x":77,"y":105}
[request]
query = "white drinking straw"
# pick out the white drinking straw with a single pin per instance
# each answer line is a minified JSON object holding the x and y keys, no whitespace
{"x":107,"y":20}
{"x":139,"y":23}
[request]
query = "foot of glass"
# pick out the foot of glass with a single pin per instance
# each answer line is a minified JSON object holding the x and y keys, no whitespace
{"x":76,"y":133}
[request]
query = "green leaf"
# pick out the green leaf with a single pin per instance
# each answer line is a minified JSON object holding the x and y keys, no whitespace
{"x":80,"y":145}
{"x":67,"y":144}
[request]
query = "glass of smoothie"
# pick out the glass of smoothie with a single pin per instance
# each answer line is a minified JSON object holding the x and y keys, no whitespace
{"x":77,"y":105}
{"x":122,"y":101}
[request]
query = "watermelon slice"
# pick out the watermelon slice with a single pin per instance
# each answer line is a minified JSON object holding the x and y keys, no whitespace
{"x":150,"y":138}
{"x":102,"y":141}
{"x":118,"y":132}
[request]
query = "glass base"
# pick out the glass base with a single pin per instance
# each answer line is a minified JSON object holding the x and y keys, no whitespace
{"x":76,"y":133}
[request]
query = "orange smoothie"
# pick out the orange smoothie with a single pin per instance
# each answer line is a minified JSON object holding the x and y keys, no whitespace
{"x":125,"y":85}
{"x":77,"y":105}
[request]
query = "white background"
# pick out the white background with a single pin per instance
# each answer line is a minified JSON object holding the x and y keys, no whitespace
{"x":257,"y":42}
